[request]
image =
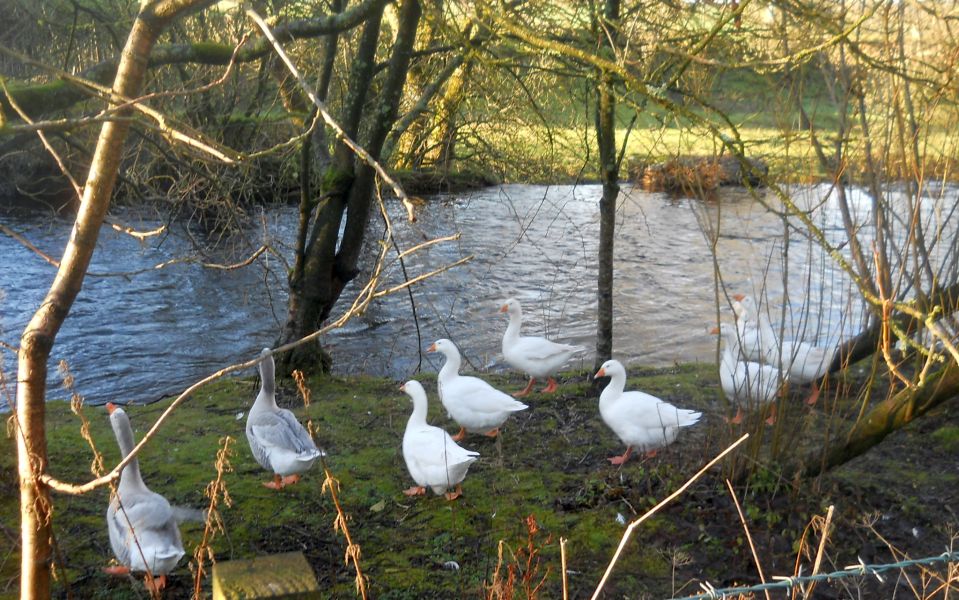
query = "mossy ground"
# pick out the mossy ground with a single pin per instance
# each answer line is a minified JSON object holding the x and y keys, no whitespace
{"x":550,"y":462}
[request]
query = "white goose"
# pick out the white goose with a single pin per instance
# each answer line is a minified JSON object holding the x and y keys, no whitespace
{"x":538,"y":357}
{"x":752,"y":345}
{"x":144,"y":533}
{"x":805,"y":362}
{"x":278,"y":441}
{"x":433,"y":459}
{"x":746,"y":382}
{"x":474,"y":404}
{"x":640,"y":420}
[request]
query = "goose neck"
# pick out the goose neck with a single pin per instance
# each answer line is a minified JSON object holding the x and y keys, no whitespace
{"x":267,"y":376}
{"x":451,"y":368}
{"x":513,"y":329}
{"x":730,"y":349}
{"x":419,"y":412}
{"x":614,"y":389}
{"x":130,"y":478}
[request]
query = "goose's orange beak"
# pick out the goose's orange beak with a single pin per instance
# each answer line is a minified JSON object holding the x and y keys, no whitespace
{"x":714,"y":330}
{"x":739,"y":297}
{"x":403,"y":388}
{"x":432,"y":347}
{"x":600,"y":373}
{"x":111,"y":407}
{"x":504,"y":308}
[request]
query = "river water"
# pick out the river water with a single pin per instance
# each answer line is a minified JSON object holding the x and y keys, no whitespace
{"x":138,"y":333}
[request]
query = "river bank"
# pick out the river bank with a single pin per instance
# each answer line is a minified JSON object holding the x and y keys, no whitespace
{"x":550,"y":462}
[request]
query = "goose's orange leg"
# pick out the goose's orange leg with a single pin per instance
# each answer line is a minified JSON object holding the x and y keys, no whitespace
{"x":459,"y":436}
{"x":492,"y":433}
{"x":416,"y":490}
{"x":771,"y":419}
{"x":290,"y":479}
{"x":814,"y":396}
{"x":276,"y":484}
{"x":618,"y":460}
{"x":737,"y":419}
{"x":455,"y":493}
{"x":526,"y":390}
{"x":550,"y":386}
{"x":117,"y":570}
{"x":155,"y":584}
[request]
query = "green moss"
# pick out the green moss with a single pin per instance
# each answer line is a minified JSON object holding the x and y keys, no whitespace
{"x":948,"y":436}
{"x":549,"y":462}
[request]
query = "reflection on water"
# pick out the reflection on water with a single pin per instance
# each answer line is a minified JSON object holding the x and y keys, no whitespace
{"x":151,"y":332}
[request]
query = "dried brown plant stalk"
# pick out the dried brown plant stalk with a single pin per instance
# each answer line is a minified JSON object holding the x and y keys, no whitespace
{"x":305,"y":393}
{"x":524,"y":567}
{"x":499,"y":588}
{"x":97,"y":466}
{"x":927,"y":576}
{"x":352,"y":554}
{"x":217,"y":492}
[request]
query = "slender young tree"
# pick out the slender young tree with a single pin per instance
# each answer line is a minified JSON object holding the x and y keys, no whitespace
{"x":605,"y":30}
{"x":38,"y":337}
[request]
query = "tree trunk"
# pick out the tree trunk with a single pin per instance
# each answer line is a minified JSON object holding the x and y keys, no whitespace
{"x":347,"y":195}
{"x":449,"y":106}
{"x":38,"y":337}
{"x":609,"y":175}
{"x":888,"y":416}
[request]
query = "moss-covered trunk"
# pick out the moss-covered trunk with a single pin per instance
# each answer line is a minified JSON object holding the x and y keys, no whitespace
{"x":888,"y":416}
{"x":330,"y":258}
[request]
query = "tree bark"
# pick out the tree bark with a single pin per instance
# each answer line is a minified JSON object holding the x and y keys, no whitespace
{"x":609,"y":175}
{"x":886,"y":417}
{"x":347,"y":193}
{"x":38,"y":337}
{"x":449,"y":106}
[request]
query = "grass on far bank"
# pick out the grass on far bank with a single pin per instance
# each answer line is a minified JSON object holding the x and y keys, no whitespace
{"x":550,"y":462}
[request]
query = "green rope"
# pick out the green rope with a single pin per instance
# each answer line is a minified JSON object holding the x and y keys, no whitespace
{"x":859,"y":570}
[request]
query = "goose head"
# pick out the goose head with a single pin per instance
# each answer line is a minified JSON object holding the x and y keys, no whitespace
{"x":118,"y":417}
{"x":413,"y":389}
{"x":445,"y":347}
{"x":744,"y":307}
{"x":729,"y":335}
{"x":611,"y":368}
{"x":511,"y":306}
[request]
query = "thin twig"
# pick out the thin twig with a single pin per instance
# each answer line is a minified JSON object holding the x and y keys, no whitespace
{"x":562,"y":562}
{"x":655,"y":509}
{"x":822,"y":547}
{"x":122,"y":227}
{"x":749,"y":537}
{"x":330,"y":121}
{"x":26,"y":243}
{"x":362,"y":300}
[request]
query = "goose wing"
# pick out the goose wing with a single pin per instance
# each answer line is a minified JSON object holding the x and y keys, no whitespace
{"x":481,"y":397}
{"x":542,"y":349}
